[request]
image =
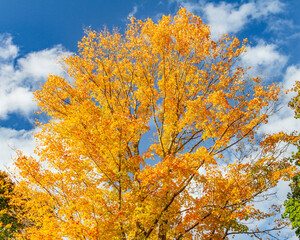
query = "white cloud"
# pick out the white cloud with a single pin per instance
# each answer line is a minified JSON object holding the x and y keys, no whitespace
{"x":38,"y":65}
{"x":191,"y":6}
{"x":284,"y":120}
{"x":278,"y":25}
{"x":265,"y":60}
{"x":267,"y":7}
{"x":18,"y":99}
{"x":133,"y":12}
{"x":226,"y":18}
{"x":12,"y":140}
{"x":291,"y":76}
{"x":7,"y":49}
{"x":19,"y":78}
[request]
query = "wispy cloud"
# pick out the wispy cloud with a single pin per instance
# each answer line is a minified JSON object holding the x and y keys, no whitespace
{"x":133,"y":12}
{"x":280,"y":25}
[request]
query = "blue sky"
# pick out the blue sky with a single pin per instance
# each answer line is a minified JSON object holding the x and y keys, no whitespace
{"x":34,"y":34}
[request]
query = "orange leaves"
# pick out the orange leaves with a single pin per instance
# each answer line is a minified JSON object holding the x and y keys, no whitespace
{"x":138,"y":139}
{"x":270,"y":142}
{"x":55,"y":97}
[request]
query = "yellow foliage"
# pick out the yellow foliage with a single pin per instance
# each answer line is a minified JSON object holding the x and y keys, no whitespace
{"x":99,"y":175}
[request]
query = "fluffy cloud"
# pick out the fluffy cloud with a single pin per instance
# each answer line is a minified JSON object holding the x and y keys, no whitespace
{"x":283,"y":119}
{"x":265,"y":60}
{"x":7,"y":49}
{"x":12,"y":140}
{"x":18,"y":99}
{"x":38,"y":65}
{"x":21,"y":76}
{"x":228,"y":18}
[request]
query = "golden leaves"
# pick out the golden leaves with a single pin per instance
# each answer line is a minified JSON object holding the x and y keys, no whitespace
{"x":137,"y":142}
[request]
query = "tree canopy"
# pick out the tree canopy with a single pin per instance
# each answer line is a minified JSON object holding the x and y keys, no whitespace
{"x":292,"y":204}
{"x":9,"y":223}
{"x":151,"y":138}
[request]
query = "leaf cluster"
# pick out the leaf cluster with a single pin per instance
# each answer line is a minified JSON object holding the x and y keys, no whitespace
{"x":9,"y":223}
{"x":138,"y":140}
{"x":292,"y":204}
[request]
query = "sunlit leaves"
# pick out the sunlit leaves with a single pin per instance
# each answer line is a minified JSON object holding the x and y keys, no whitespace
{"x":138,"y":141}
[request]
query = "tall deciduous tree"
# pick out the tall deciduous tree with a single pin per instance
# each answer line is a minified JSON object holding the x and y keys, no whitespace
{"x":144,"y":141}
{"x":292,"y":204}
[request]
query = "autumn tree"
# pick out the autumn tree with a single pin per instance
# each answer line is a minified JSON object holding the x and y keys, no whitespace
{"x":9,"y":223}
{"x":292,"y":204}
{"x":151,"y":138}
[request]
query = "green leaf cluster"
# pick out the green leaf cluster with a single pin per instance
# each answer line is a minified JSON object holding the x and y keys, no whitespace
{"x":8,"y":222}
{"x":292,"y":204}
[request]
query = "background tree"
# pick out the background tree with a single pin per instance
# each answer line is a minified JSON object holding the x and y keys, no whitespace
{"x":8,"y":212}
{"x":150,"y":139}
{"x":292,"y":204}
